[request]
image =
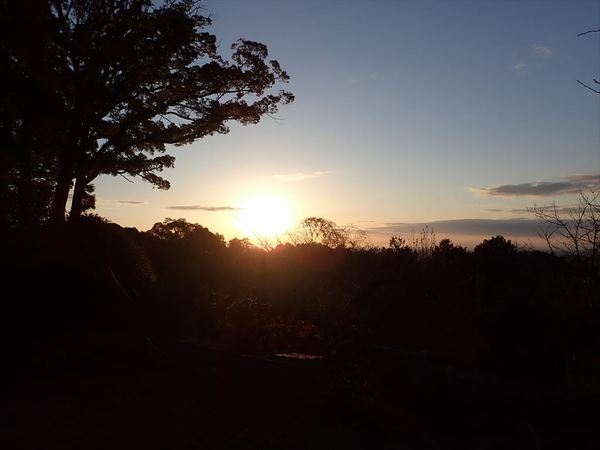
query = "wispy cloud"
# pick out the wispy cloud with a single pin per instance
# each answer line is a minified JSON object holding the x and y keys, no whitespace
{"x":497,"y":210}
{"x":520,"y":69}
{"x":129,"y":202}
{"x":299,"y":176}
{"x":541,"y":51}
{"x":202,"y":208}
{"x":569,"y":185}
{"x":539,"y":189}
{"x":559,"y":208}
{"x":592,"y":180}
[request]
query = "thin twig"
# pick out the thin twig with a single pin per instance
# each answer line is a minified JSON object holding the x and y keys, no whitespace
{"x":590,"y":31}
{"x":125,"y":177}
{"x":588,"y":87}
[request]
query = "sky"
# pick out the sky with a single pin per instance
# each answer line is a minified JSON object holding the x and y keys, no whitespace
{"x":455,"y":114}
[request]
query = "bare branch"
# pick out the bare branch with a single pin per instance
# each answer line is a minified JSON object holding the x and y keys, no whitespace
{"x":589,"y":87}
{"x":125,"y":177}
{"x":576,"y":232}
{"x":590,"y":31}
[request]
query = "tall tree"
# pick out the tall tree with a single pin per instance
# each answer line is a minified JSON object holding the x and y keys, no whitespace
{"x":30,"y":111}
{"x":135,"y":77}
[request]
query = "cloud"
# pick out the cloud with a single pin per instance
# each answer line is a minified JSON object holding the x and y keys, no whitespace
{"x":496,"y":210}
{"x":129,"y":202}
{"x":561,"y":209}
{"x":570,"y":185}
{"x":520,"y":69}
{"x":539,"y":189}
{"x":202,"y":208}
{"x":541,"y":51}
{"x":299,"y":176}
{"x":593,"y":179}
{"x":480,"y":227}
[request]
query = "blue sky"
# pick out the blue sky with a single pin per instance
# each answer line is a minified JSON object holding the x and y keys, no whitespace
{"x":405,"y":112}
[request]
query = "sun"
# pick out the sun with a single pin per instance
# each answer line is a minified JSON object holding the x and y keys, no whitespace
{"x":264,"y":217}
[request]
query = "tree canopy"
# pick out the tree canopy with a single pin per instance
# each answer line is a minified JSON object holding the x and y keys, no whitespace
{"x":317,"y":230}
{"x":103,"y":86}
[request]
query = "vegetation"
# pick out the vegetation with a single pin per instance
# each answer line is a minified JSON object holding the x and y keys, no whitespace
{"x":101,"y":87}
{"x":174,"y":338}
{"x":415,"y":329}
{"x":573,"y":230}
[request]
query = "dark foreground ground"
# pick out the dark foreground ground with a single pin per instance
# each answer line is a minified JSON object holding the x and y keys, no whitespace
{"x":116,"y":393}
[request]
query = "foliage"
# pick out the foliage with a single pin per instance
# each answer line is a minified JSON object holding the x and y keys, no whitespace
{"x":447,"y":248}
{"x":423,"y":244}
{"x":240,"y":245}
{"x":495,"y":247}
{"x":175,"y":229}
{"x":420,"y":245}
{"x":317,"y":230}
{"x":104,"y":87}
{"x":454,"y":330}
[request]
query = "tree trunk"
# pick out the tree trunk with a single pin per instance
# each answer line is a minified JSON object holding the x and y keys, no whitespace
{"x":77,"y":206}
{"x":61,"y":194}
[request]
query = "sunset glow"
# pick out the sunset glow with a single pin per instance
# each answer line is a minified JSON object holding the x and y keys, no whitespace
{"x":264,"y":217}
{"x":309,"y":224}
{"x":384,"y":142}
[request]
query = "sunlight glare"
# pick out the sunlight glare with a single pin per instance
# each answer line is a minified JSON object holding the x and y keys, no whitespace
{"x":264,"y":217}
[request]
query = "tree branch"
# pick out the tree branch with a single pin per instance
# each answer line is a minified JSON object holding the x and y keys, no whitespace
{"x":121,"y":175}
{"x":588,"y":87}
{"x":590,"y":31}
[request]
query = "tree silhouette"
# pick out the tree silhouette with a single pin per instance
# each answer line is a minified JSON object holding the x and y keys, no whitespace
{"x":180,"y":229}
{"x":317,"y":230}
{"x":574,"y":230}
{"x":31,"y":111}
{"x":131,"y":77}
{"x":495,"y":247}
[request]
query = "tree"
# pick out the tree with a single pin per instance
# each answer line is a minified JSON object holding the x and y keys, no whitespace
{"x":240,"y":245}
{"x":574,"y":229}
{"x":421,"y":245}
{"x":191,"y":233}
{"x":317,"y":230}
{"x":497,"y":247}
{"x":133,"y":77}
{"x":30,"y":111}
{"x":447,"y":249}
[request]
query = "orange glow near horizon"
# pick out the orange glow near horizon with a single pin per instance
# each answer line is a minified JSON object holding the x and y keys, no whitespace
{"x":264,"y":216}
